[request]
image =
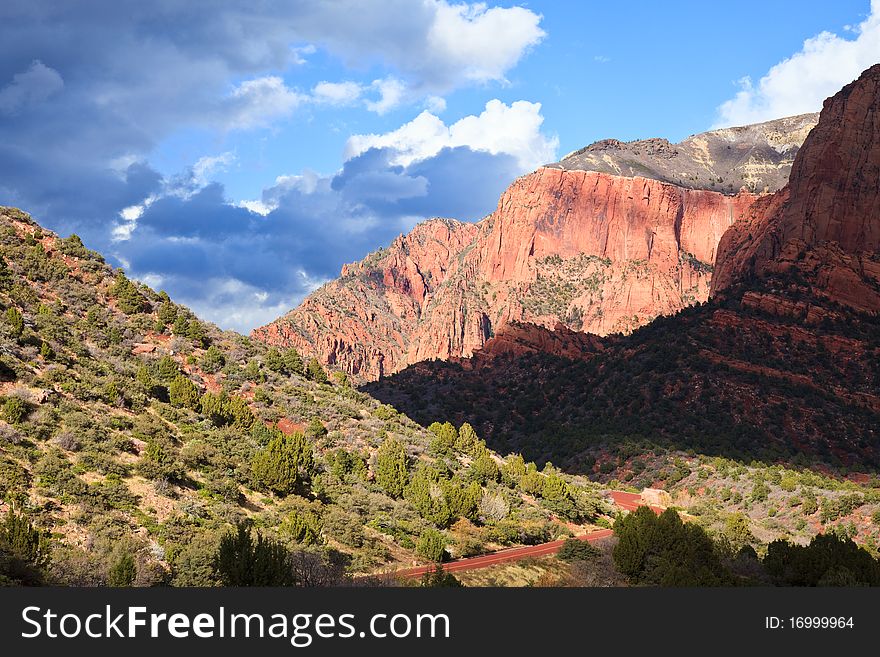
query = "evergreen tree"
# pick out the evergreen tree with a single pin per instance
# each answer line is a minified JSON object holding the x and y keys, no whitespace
{"x":15,"y":320}
{"x":167,"y":368}
{"x":167,"y":313}
{"x":243,"y":561}
{"x":6,"y":277}
{"x":292,"y":362}
{"x":391,"y":473}
{"x":664,"y":551}
{"x":183,"y":393}
{"x":466,"y":439}
{"x":196,"y":332}
{"x":24,"y":550}
{"x":122,"y":572}
{"x":181,"y":325}
{"x":484,"y":469}
{"x":128,"y":298}
{"x":431,"y":545}
{"x":285,"y":465}
{"x":315,"y":429}
{"x":212,"y":360}
{"x":315,"y":372}
{"x":445,"y":437}
{"x":273,"y":360}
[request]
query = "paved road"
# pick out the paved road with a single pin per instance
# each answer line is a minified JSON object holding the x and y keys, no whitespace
{"x":626,"y":501}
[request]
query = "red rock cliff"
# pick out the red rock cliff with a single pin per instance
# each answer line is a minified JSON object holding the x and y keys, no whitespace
{"x":825,"y":226}
{"x":591,"y":251}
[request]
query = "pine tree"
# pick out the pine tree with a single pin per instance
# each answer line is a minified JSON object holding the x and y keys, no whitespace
{"x":431,"y":545}
{"x":15,"y":320}
{"x":6,"y":277}
{"x":466,"y":439}
{"x":167,"y":313}
{"x":293,"y":363}
{"x":273,"y":360}
{"x":128,"y":298}
{"x":181,"y":326}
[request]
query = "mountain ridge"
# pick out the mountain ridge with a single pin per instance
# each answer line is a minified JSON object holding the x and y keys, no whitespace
{"x":594,"y":251}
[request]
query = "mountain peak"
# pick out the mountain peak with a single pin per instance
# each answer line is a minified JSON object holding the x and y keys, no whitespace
{"x":826,"y":224}
{"x":757,"y":157}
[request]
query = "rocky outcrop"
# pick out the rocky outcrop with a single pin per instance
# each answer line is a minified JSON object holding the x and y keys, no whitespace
{"x":517,"y":339}
{"x":757,"y":157}
{"x":588,"y":250}
{"x":824,"y":227}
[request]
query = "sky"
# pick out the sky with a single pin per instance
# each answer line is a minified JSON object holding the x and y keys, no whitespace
{"x":236,"y":154}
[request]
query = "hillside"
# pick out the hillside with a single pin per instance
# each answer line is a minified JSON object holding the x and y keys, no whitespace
{"x":133,"y":431}
{"x":779,"y":367}
{"x":595,"y":243}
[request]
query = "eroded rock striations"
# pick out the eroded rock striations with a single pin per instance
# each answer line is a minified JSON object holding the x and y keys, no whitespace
{"x":589,"y":250}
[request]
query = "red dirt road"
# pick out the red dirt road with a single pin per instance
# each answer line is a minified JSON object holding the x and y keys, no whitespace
{"x":626,"y":501}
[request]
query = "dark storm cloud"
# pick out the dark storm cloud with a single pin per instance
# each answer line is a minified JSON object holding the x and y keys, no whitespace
{"x":89,"y":89}
{"x":318,"y":224}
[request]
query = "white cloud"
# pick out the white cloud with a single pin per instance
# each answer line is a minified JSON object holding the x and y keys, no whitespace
{"x":391,"y":93}
{"x":513,"y":129}
{"x":480,"y":44}
{"x":337,"y":93}
{"x":435,"y":104}
{"x":233,"y":304}
{"x":130,"y":215}
{"x":257,"y":207}
{"x":255,"y":103}
{"x":296,"y":54}
{"x":800,"y":83}
{"x":206,"y":166}
{"x":31,"y":87}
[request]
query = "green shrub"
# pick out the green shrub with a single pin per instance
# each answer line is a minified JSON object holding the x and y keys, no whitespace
{"x":431,"y":545}
{"x":285,"y":465}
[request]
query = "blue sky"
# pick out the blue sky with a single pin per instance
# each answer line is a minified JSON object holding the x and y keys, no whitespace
{"x":237,"y":154}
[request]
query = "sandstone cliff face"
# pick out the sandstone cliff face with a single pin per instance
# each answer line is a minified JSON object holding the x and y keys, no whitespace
{"x":587,"y":250}
{"x":825,"y":226}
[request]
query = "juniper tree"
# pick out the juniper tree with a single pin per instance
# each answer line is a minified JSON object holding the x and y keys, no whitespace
{"x":391,"y":472}
{"x":285,"y":465}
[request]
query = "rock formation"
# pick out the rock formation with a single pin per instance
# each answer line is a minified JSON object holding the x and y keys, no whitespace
{"x":780,"y":365}
{"x":589,"y":250}
{"x":825,"y":226}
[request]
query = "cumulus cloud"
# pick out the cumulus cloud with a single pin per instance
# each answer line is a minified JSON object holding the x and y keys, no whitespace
{"x":31,"y":87}
{"x":800,"y":83}
{"x":391,"y":93}
{"x":513,"y":129}
{"x":257,"y":102}
{"x":337,"y":93}
{"x":464,"y":39}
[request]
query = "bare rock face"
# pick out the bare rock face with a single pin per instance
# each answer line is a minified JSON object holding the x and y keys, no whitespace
{"x":757,"y":157}
{"x":825,"y":226}
{"x":587,"y":250}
